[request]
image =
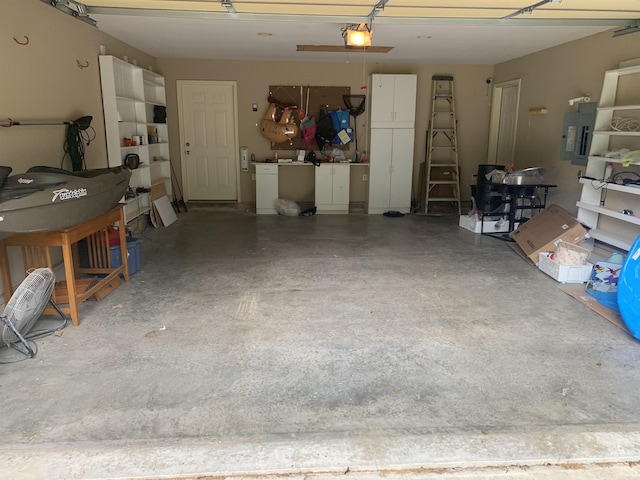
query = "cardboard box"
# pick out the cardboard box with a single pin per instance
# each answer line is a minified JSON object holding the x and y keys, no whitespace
{"x":442,"y":173}
{"x":564,"y":273}
{"x":544,"y":231}
{"x":577,"y":292}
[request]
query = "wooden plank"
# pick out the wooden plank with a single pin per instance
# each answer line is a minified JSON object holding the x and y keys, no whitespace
{"x":61,"y":294}
{"x":158,"y":190}
{"x":107,"y":288}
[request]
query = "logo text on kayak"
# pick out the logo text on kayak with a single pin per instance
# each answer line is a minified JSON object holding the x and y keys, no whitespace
{"x":66,"y":194}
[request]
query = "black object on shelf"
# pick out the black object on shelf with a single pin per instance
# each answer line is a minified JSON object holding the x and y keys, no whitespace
{"x":159,"y":114}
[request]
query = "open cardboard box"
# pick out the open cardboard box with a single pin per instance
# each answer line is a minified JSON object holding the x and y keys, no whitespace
{"x":544,"y":231}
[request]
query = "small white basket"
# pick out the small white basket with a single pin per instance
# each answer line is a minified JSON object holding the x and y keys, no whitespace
{"x":564,"y":273}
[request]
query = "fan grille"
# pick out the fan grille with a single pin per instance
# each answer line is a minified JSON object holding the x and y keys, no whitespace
{"x":27,"y":303}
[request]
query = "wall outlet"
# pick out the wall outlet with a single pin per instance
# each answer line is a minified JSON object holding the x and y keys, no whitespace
{"x":365,"y":177}
{"x":253,"y":177}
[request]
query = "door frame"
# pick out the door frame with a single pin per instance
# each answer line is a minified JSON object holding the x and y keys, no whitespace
{"x":496,"y":116}
{"x":234,"y":87}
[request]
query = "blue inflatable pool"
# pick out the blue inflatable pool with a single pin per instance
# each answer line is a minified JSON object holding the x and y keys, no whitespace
{"x":629,"y":290}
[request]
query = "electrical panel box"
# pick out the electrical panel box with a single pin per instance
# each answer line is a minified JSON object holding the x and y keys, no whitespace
{"x":577,"y":132}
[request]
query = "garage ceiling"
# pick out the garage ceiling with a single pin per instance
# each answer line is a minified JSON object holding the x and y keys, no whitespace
{"x":423,"y":31}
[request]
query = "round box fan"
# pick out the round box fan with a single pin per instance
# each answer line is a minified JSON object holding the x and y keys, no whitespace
{"x":24,"y":309}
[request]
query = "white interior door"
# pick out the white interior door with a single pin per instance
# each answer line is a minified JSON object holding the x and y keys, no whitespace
{"x":504,"y":122}
{"x":208,"y":132}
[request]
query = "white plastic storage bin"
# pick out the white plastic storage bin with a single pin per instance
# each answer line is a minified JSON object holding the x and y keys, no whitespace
{"x":491,"y":224}
{"x":564,"y":273}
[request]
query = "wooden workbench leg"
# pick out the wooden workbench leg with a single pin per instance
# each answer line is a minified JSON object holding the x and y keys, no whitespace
{"x":124,"y":252}
{"x":6,"y":272}
{"x":71,"y":280}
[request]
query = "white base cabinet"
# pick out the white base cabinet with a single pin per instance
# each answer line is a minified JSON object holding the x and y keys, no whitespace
{"x":390,"y":170}
{"x":266,"y":189}
{"x":332,"y":188}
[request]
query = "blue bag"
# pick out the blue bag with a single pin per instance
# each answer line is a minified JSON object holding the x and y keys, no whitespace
{"x":340,"y":122}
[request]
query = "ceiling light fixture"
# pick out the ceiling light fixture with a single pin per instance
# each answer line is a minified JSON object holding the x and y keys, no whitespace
{"x":531,"y":8}
{"x":357,"y":35}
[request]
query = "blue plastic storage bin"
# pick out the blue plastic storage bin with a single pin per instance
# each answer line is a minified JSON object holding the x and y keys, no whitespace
{"x":133,"y":251}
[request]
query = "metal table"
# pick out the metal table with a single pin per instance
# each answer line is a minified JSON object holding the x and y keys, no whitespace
{"x":512,"y":193}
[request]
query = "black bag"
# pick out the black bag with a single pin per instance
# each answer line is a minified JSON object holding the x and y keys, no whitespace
{"x":325,"y":133}
{"x":311,"y":158}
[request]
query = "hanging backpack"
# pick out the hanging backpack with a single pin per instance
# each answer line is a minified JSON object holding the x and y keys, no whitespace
{"x":340,"y":122}
{"x":308,"y":132}
{"x":325,"y":133}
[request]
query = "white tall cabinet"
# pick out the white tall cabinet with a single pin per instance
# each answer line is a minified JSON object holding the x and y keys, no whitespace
{"x":129,"y":96}
{"x":391,"y":141}
{"x":332,"y":188}
{"x":602,"y":203}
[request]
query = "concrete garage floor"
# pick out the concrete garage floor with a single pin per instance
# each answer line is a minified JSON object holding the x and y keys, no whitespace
{"x":311,"y":345}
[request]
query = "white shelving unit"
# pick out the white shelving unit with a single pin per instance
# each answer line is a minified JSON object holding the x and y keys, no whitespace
{"x":129,"y":96}
{"x":602,"y":203}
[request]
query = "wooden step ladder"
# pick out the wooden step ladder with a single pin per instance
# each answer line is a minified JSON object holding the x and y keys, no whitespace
{"x":442,"y":169}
